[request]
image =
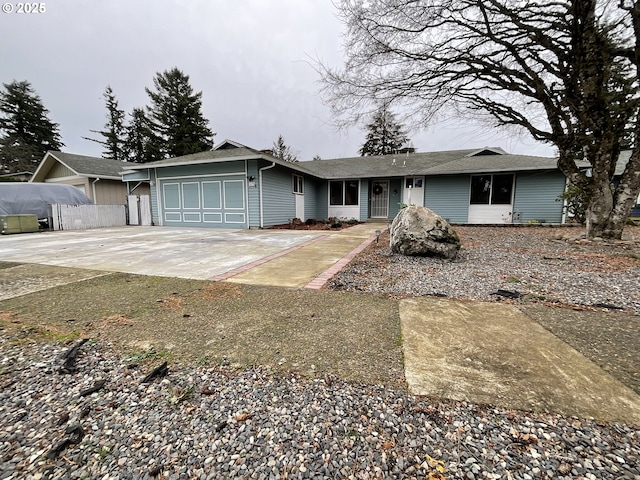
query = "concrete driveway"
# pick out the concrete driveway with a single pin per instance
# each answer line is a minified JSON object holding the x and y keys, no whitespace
{"x":164,"y":251}
{"x":196,"y":253}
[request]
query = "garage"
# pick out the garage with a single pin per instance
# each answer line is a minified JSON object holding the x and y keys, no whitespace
{"x":213,"y":201}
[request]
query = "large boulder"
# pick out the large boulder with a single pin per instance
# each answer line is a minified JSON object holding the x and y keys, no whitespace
{"x":418,"y":231}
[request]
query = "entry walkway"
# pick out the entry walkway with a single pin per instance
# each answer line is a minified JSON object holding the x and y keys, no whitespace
{"x":311,"y":264}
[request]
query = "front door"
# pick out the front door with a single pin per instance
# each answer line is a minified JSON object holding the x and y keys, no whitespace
{"x":379,"y":199}
{"x":414,"y":191}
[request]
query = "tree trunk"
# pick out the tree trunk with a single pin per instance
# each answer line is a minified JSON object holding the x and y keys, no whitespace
{"x":598,"y":214}
{"x":608,"y":211}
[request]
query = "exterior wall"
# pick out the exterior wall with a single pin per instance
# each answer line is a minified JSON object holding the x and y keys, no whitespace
{"x":347,"y":212}
{"x":277,"y":195}
{"x":142,"y":189}
{"x":79,"y":182}
{"x":253,"y":192}
{"x":535,"y":197}
{"x":448,"y":196}
{"x":109,"y":192}
{"x":155,"y":208}
{"x":364,"y":200}
{"x":323,"y":200}
{"x":312,"y":188}
{"x":207,"y":169}
{"x":395,"y":196}
{"x":59,"y":170}
{"x":145,"y":189}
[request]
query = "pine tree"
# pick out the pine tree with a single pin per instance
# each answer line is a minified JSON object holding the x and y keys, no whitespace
{"x":282,"y":151}
{"x":114,"y":129}
{"x":385,"y":135}
{"x":26,"y":132}
{"x":175,"y":116}
{"x":140,"y":144}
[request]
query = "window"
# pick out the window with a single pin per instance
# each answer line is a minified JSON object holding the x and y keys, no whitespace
{"x":491,"y":189}
{"x":343,"y":192}
{"x":351,"y":193}
{"x":298,"y":184}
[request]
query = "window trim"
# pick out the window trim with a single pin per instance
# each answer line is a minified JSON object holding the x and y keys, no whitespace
{"x":297,"y":181}
{"x":492,"y":184}
{"x":344,"y":193}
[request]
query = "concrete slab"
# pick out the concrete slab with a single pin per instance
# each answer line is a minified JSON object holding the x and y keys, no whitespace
{"x":174,"y":252}
{"x":493,"y":353}
{"x":299,"y":267}
{"x":23,"y":279}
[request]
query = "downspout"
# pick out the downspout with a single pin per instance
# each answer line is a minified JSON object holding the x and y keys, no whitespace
{"x":93,"y":187}
{"x":260,"y":170}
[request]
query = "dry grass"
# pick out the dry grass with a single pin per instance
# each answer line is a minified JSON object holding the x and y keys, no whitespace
{"x":353,"y":336}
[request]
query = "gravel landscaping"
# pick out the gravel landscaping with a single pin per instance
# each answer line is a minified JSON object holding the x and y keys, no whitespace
{"x":542,"y":264}
{"x":213,"y":422}
{"x":210,"y":420}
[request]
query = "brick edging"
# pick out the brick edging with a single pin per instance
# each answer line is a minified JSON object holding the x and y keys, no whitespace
{"x":319,"y":282}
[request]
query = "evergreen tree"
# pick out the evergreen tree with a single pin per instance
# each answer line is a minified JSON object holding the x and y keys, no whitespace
{"x":175,"y":116}
{"x":282,"y":151}
{"x":385,"y":135}
{"x":141,"y":145}
{"x":114,"y":129}
{"x":26,"y":132}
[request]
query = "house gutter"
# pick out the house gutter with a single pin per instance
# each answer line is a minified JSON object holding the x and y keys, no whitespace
{"x":260,"y":170}
{"x":93,"y":187}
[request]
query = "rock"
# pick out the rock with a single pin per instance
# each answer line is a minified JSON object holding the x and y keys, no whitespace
{"x":417,"y":231}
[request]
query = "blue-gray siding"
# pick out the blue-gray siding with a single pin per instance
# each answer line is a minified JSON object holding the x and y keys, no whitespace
{"x":323,"y":200}
{"x":395,"y":196}
{"x":206,"y":169}
{"x":278,"y":197}
{"x":311,"y":197}
{"x":364,"y":200}
{"x":253,"y":192}
{"x":535,"y":197}
{"x":448,"y":196}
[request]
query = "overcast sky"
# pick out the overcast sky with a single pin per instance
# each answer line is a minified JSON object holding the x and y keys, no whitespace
{"x":250,"y":58}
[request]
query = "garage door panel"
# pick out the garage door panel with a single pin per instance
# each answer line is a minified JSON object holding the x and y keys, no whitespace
{"x":171,"y":195}
{"x":209,"y":217}
{"x":234,"y":218}
{"x":191,"y":217}
{"x":234,"y":194}
{"x":191,"y":195}
{"x":205,"y":202}
{"x":211,"y":195}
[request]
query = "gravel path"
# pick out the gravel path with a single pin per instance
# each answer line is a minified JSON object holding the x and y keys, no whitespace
{"x":550,"y":265}
{"x":211,"y":422}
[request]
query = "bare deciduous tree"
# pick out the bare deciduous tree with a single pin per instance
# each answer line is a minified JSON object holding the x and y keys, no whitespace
{"x":565,"y":71}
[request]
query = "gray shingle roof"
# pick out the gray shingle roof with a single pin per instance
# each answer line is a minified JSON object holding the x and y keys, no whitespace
{"x":92,"y":166}
{"x":221,"y":155}
{"x":203,"y":157}
{"x":427,"y":163}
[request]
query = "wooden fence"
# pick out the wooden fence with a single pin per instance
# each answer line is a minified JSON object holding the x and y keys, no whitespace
{"x":139,"y":209}
{"x":83,"y":217}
